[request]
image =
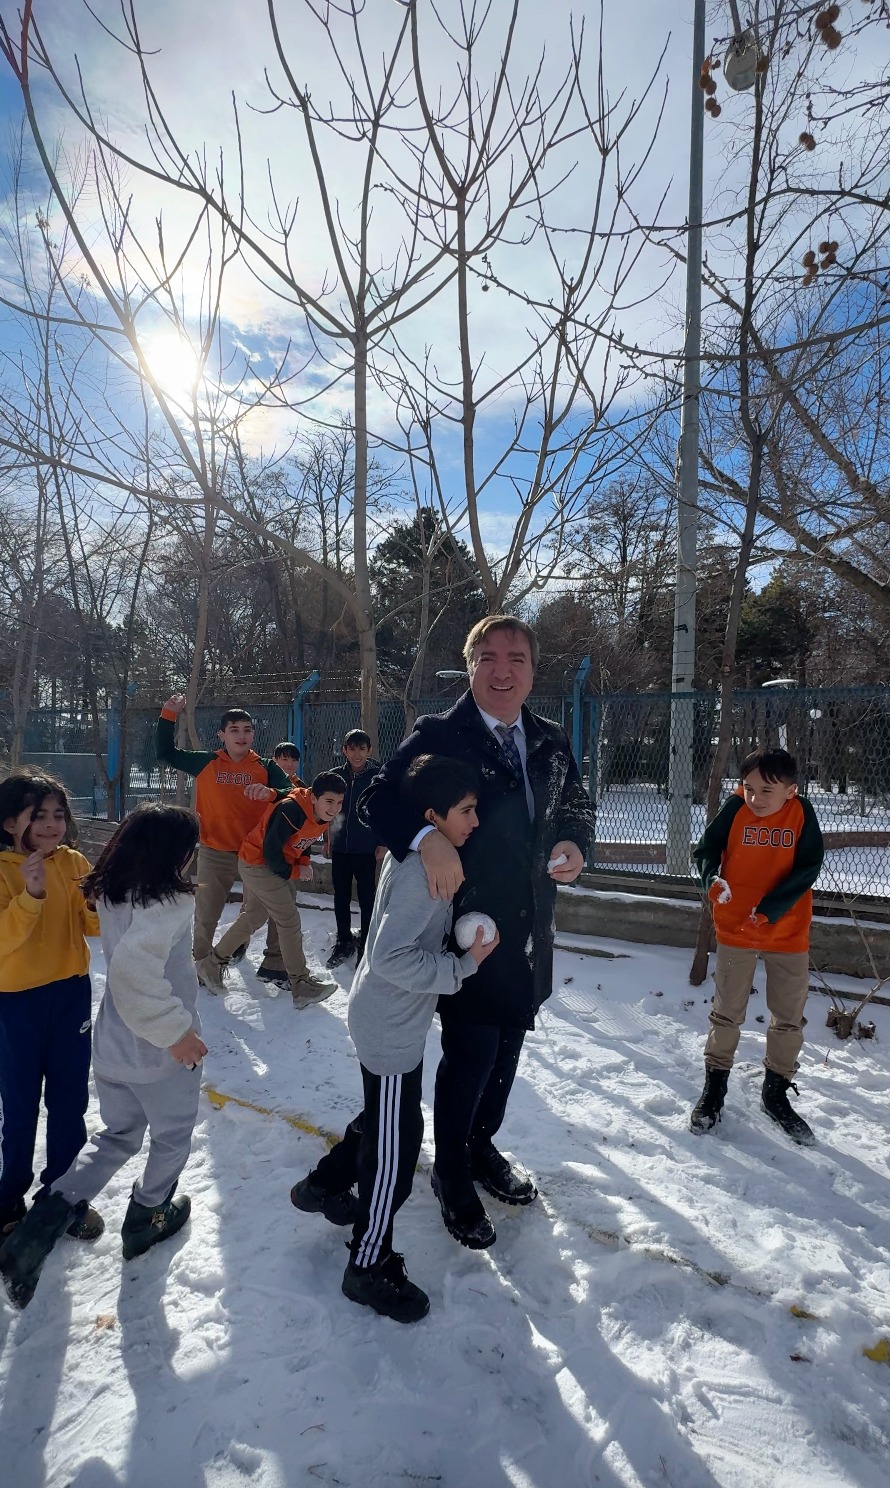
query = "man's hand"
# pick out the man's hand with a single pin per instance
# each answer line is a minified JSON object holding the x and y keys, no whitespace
{"x":305,"y":873}
{"x":568,"y":871}
{"x":379,"y":854}
{"x":258,"y":792}
{"x":34,"y":874}
{"x":175,"y":704}
{"x":189,"y":1050}
{"x":444,"y":871}
{"x":480,"y":952}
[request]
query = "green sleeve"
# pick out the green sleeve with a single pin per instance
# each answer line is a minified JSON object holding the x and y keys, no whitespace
{"x":808,"y":857}
{"x":707,"y":854}
{"x":284,"y":823}
{"x":190,"y":761}
{"x":277,"y":778}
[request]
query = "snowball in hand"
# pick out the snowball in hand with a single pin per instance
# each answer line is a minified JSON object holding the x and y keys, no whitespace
{"x":557,"y":862}
{"x":468,"y":924}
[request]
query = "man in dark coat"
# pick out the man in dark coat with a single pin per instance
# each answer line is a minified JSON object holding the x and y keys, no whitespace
{"x":532,"y":809}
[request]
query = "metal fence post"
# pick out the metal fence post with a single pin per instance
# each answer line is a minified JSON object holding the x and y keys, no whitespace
{"x":577,"y":712}
{"x":295,"y":727}
{"x":594,"y":718}
{"x":114,"y":752}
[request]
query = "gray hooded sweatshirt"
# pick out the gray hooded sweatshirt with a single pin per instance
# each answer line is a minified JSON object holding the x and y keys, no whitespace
{"x":403,"y":971}
{"x":151,"y":991}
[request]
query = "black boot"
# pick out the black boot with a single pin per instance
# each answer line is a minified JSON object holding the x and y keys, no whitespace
{"x":10,"y":1216}
{"x":710,"y":1103}
{"x":774,"y":1101}
{"x":87,"y":1223}
{"x":143,"y":1227}
{"x":465,"y":1218}
{"x":343,"y":950}
{"x":25,"y":1250}
{"x":385,"y":1287}
{"x":312,"y":1197}
{"x":490,"y":1168}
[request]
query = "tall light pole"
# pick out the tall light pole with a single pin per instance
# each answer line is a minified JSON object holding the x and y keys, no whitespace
{"x":739,"y":71}
{"x":680,"y":764}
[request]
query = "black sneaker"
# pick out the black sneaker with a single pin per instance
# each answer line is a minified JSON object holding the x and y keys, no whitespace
{"x":268,"y":974}
{"x":10,"y":1216}
{"x":144,"y":1227}
{"x":238,"y":955}
{"x":385,"y":1287}
{"x":25,"y":1250}
{"x":710,"y":1103}
{"x":465,"y":1220}
{"x":342,"y":951}
{"x":312,"y":1197}
{"x":774,"y":1101}
{"x":490,"y":1168}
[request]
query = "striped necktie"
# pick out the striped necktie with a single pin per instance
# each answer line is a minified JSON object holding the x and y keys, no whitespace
{"x":505,"y":732}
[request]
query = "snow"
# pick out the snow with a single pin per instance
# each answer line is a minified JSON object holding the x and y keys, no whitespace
{"x":632,"y":1328}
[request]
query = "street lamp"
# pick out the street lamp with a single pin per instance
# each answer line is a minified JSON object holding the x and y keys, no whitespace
{"x":680,"y":762}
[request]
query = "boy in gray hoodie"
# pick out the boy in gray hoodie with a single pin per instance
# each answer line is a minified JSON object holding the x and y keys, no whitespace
{"x":403,"y":972}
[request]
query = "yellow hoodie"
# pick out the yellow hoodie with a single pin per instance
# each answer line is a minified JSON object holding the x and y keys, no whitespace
{"x":42,"y":940}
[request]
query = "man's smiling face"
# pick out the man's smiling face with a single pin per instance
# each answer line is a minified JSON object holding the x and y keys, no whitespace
{"x":501,"y":674}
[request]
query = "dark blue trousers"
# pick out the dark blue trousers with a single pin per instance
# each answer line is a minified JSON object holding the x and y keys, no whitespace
{"x":45,"y":1044}
{"x":473,"y":1083}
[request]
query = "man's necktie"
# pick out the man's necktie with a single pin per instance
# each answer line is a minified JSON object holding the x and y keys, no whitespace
{"x":505,"y":732}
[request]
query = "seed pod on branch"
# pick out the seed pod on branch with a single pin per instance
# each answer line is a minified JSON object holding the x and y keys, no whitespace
{"x":762,"y":64}
{"x":824,"y":247}
{"x":808,"y":259}
{"x":826,"y":17}
{"x":807,"y":140}
{"x":710,"y":86}
{"x":831,"y":38}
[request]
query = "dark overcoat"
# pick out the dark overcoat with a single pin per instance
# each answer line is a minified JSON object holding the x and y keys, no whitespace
{"x":505,"y":859}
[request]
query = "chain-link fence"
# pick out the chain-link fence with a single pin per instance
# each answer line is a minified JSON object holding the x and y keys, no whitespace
{"x":839,"y":736}
{"x":625,"y":748}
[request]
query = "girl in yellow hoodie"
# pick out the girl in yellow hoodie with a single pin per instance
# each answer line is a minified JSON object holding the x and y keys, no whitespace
{"x":45,"y":996}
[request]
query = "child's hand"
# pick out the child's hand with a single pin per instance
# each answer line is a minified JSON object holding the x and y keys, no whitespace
{"x":175,"y":704}
{"x":721,"y":893}
{"x":305,"y":873}
{"x":189,"y":1050}
{"x":258,"y":792}
{"x":480,"y":952}
{"x":757,"y":919}
{"x":34,"y":874}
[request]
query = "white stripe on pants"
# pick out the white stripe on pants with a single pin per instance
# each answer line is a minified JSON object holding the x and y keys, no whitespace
{"x":387,"y":1170}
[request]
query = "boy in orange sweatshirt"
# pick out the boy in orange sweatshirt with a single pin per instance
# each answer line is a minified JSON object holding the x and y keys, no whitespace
{"x":758,"y":860}
{"x":276,"y":851}
{"x":233,"y":787}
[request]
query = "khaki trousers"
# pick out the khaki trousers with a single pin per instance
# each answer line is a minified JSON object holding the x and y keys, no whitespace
{"x":216,"y":872}
{"x":267,"y":898}
{"x":787,"y":984}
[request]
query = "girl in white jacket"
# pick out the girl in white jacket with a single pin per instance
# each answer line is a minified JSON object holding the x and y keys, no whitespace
{"x":147,"y":1048}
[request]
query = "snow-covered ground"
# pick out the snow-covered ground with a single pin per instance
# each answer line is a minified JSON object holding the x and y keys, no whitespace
{"x":633,"y":1327}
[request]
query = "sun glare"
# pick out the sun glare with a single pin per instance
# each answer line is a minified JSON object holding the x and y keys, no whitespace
{"x":173,"y":365}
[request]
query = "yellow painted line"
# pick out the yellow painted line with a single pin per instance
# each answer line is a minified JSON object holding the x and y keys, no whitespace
{"x":217,"y":1099}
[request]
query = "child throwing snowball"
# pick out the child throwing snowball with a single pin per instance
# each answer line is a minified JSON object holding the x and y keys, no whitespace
{"x":402,"y":973}
{"x":147,"y":1048}
{"x":45,"y":998}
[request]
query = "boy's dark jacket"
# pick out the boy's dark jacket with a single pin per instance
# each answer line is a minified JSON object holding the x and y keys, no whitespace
{"x":505,"y":859}
{"x":770,"y":864}
{"x":347,"y":832}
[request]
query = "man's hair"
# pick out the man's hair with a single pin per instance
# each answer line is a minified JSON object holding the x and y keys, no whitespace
{"x":234,"y":715}
{"x":357,"y":736}
{"x":775,"y":765}
{"x":27,"y":789}
{"x":286,"y":748}
{"x":433,"y":781}
{"x":482,"y":628}
{"x":145,"y":861}
{"x":328,"y":780}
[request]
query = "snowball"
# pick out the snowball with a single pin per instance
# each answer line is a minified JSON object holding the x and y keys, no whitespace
{"x":468,"y":924}
{"x":557,"y":862}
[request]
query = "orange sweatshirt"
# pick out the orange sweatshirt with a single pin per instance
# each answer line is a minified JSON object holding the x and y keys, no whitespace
{"x":42,"y":940}
{"x":770,"y":864}
{"x":225,"y":813}
{"x":281,"y":840}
